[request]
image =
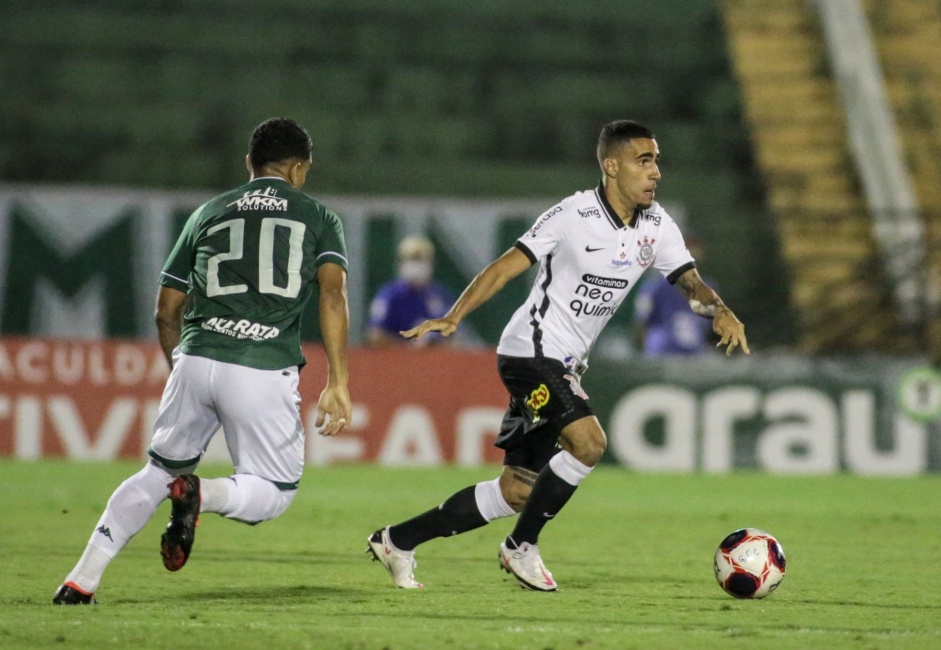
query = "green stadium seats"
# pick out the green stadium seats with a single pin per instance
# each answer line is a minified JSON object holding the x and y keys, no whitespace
{"x":489,"y":98}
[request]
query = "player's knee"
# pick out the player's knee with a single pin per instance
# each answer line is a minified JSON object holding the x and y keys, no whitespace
{"x":257,"y":499}
{"x":595,"y":451}
{"x":281,"y":502}
{"x":515,"y":493}
{"x":588,"y":446}
{"x":517,"y":499}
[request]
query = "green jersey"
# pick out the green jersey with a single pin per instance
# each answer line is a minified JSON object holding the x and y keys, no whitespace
{"x":248,"y":262}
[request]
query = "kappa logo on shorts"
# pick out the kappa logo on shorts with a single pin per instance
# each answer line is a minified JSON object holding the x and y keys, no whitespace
{"x":537,"y":399}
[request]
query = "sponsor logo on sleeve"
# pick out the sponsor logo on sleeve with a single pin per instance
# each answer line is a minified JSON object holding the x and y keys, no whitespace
{"x":548,"y":215}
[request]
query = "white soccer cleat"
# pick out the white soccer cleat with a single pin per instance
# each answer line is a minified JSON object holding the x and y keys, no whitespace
{"x":525,"y":564}
{"x":400,"y":564}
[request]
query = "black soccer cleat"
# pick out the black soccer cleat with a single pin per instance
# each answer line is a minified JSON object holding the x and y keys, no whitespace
{"x":177,"y":542}
{"x":69,"y":594}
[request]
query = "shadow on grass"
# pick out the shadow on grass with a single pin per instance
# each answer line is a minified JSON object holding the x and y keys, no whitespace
{"x":279,"y":595}
{"x":613,"y":624}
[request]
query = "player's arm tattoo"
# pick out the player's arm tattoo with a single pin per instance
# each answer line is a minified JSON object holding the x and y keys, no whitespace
{"x":524,"y":475}
{"x":702,"y":300}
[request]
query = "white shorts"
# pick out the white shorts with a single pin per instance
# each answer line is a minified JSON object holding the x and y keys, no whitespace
{"x":258,"y":410}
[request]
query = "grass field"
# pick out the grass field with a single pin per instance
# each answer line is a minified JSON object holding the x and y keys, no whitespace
{"x":632,"y":554}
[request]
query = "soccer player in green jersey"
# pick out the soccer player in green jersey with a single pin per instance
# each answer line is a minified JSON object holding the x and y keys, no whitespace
{"x":228,"y":316}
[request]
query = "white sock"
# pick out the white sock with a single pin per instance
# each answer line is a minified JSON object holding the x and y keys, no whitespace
{"x":568,"y":468}
{"x":490,"y":501}
{"x":128,"y":511}
{"x":215,"y":494}
{"x":87,"y":573}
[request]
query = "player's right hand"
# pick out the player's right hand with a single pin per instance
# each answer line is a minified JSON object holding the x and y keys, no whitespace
{"x":731,"y":330}
{"x":334,"y":410}
{"x":442,"y":325}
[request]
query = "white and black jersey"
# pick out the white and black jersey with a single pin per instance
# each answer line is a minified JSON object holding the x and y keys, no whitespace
{"x":589,"y":262}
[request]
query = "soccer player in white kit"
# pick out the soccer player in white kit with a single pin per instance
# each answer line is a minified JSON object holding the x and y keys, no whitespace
{"x":592,"y":249}
{"x":228,"y":317}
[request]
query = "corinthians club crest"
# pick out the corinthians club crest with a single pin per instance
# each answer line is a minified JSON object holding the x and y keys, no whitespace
{"x":645,"y":255}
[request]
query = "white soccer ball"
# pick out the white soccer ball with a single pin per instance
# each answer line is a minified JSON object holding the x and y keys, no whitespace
{"x":749,"y":563}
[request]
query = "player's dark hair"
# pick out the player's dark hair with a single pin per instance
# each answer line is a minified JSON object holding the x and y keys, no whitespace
{"x":278,"y":139}
{"x":614,"y":134}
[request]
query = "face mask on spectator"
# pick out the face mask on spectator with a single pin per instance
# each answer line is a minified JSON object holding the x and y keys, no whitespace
{"x":415,"y":272}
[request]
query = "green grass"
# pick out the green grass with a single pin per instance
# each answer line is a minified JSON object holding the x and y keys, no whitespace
{"x":632,"y":554}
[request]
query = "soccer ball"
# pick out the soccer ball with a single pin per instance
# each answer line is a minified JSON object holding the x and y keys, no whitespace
{"x":749,"y":563}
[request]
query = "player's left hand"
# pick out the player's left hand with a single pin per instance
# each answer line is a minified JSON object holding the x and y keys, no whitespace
{"x":442,"y":325}
{"x":334,"y":410}
{"x":731,"y":330}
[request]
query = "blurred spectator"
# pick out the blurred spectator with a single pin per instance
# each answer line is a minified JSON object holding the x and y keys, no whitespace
{"x":663,"y":322}
{"x":412,"y":298}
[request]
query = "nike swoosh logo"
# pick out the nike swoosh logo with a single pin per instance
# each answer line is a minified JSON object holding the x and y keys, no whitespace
{"x":547,"y":515}
{"x":588,"y":249}
{"x":549,"y":582}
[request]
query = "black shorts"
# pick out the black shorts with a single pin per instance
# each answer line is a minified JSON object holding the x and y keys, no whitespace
{"x":545,"y":397}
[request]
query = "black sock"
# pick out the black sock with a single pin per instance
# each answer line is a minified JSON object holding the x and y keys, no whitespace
{"x":545,"y":501}
{"x":457,"y":515}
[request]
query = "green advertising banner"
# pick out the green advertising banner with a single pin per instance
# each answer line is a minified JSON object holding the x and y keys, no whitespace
{"x":84,"y":262}
{"x":771,"y":413}
{"x":779,"y":413}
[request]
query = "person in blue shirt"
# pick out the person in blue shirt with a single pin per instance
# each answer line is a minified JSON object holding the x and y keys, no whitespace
{"x":663,"y":322}
{"x":412,"y":298}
